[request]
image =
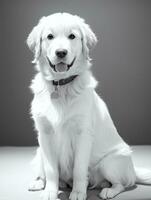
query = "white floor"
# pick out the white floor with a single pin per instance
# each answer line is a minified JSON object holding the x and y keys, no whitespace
{"x":16,"y":173}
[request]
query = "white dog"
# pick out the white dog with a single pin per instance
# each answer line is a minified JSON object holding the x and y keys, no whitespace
{"x":78,"y":142}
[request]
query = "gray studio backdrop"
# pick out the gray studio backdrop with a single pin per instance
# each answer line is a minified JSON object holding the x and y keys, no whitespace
{"x":122,"y":63}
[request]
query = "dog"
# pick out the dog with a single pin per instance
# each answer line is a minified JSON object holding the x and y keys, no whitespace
{"x":78,"y":142}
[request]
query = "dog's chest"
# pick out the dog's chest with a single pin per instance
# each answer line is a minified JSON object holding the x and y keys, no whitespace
{"x":66,"y":130}
{"x":65,"y":121}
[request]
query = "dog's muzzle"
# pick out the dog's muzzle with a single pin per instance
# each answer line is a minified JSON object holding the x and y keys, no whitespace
{"x":61,"y":67}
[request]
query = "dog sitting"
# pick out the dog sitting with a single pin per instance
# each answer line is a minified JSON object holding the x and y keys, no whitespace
{"x":78,"y":142}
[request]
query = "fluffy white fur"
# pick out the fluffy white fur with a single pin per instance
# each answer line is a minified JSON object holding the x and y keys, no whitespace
{"x":78,"y":142}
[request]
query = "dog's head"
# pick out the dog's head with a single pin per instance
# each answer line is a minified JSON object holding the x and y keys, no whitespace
{"x":61,"y":43}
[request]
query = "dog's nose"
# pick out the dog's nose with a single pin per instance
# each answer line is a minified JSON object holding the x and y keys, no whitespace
{"x":61,"y":53}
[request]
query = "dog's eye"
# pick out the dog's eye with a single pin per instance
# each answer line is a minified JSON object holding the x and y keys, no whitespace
{"x":50,"y":36}
{"x":71,"y":36}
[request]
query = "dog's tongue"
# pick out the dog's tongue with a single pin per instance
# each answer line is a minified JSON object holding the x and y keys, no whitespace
{"x":61,"y":67}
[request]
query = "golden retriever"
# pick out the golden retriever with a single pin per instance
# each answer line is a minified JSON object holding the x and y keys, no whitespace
{"x":78,"y":142}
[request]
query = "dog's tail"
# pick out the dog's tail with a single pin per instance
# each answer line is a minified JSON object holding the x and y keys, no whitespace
{"x":143,"y":176}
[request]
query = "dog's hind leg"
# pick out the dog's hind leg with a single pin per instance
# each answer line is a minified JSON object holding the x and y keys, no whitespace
{"x":119,"y":171}
{"x":39,"y":180}
{"x":108,"y":193}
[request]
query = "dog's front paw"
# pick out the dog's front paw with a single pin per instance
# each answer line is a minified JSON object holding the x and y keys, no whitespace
{"x":75,"y":195}
{"x":49,"y":195}
{"x":36,"y":185}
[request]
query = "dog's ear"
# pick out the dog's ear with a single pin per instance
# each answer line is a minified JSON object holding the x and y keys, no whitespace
{"x":89,"y":38}
{"x":34,"y":39}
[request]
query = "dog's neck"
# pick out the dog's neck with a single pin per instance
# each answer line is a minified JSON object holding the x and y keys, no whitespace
{"x":72,"y":89}
{"x":73,"y":85}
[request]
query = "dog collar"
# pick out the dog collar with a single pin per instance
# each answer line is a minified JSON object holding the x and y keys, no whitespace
{"x":64,"y":81}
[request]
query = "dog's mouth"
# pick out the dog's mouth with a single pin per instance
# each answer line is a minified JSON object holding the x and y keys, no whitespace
{"x":61,"y":66}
